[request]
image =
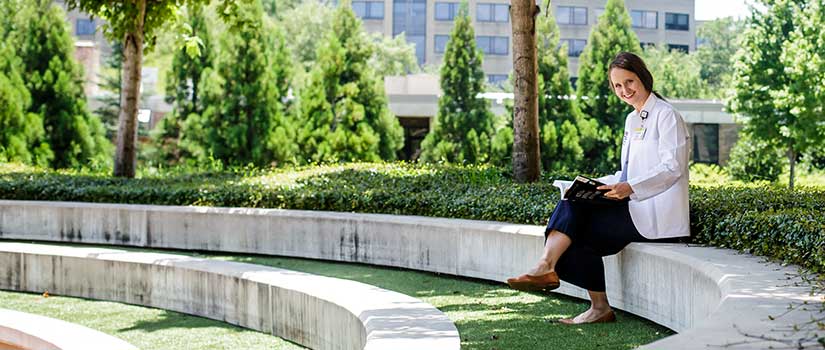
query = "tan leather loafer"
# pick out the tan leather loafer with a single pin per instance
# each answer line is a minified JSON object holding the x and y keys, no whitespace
{"x":529,"y":283}
{"x":606,"y":318}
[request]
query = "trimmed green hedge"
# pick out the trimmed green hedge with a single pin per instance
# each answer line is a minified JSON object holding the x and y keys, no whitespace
{"x":769,"y":221}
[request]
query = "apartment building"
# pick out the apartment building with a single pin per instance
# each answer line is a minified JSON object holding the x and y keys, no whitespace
{"x":427,"y":24}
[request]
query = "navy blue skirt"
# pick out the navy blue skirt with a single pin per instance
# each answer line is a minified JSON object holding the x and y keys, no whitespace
{"x":595,"y":231}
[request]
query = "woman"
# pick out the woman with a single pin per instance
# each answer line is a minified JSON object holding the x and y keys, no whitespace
{"x":654,"y":174}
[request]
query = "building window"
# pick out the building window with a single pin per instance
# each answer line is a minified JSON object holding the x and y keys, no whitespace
{"x":598,"y":12}
{"x":682,"y":48}
{"x":645,"y":45}
{"x":706,"y":143}
{"x":494,"y":45}
{"x":676,"y":21}
{"x":441,"y":43}
{"x":571,"y":15}
{"x":368,"y":9}
{"x":645,"y":19}
{"x":492,"y":12}
{"x":85,"y":26}
{"x":497,"y":79}
{"x":445,"y":11}
{"x":575,"y":47}
{"x":573,"y":81}
{"x":410,"y":17}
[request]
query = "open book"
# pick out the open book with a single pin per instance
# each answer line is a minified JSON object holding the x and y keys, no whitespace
{"x":583,"y":189}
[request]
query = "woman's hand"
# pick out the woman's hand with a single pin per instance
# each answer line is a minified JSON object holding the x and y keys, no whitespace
{"x":617,"y":191}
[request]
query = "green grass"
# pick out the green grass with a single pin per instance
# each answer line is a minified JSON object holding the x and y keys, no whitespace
{"x":143,"y":327}
{"x":488,"y":315}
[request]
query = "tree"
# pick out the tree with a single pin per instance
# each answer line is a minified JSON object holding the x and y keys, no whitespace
{"x":612,"y":34}
{"x":247,"y":122}
{"x":343,"y":111}
{"x":462,"y":128}
{"x":132,"y":23}
{"x":676,"y":74}
{"x":804,"y":59}
{"x":526,"y":152}
{"x":182,"y":90}
{"x":720,"y":41}
{"x":771,"y":85}
{"x":22,"y":137}
{"x":55,"y":81}
{"x":392,"y":56}
{"x":565,"y":133}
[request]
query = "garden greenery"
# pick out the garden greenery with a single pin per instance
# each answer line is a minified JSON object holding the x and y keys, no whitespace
{"x":761,"y":219}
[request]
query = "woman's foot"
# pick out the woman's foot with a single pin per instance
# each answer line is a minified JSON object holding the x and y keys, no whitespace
{"x":530,"y":283}
{"x":591,"y":316}
{"x":542,"y":268}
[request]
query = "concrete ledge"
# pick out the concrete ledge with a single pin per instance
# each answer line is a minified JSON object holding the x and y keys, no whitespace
{"x":703,"y":293}
{"x":317,"y":312}
{"x":27,"y":331}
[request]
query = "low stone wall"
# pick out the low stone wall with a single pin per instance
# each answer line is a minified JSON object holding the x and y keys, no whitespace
{"x":691,"y":290}
{"x":20,"y":330}
{"x":315,"y":311}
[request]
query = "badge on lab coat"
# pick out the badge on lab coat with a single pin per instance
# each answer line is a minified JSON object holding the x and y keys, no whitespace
{"x":639,"y":133}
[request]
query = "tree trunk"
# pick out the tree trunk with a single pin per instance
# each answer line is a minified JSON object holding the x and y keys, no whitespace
{"x":125,"y":154}
{"x":526,"y":160}
{"x":792,"y":161}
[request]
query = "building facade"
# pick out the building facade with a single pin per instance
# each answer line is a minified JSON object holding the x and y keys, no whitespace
{"x":427,"y":24}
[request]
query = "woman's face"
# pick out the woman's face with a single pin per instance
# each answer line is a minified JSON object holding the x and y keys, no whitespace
{"x":628,"y":87}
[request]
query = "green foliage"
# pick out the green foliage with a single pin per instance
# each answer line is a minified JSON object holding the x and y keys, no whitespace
{"x":55,"y":81}
{"x":721,"y":40}
{"x":306,"y":27}
{"x":246,"y":121}
{"x":393,"y":56}
{"x":22,"y":137}
{"x":463,"y":127}
{"x":752,"y":159}
{"x":565,"y":131}
{"x":183,"y":91}
{"x":612,"y":34}
{"x":778,"y":76}
{"x":762,"y":220}
{"x":728,"y":216}
{"x":343,"y":112}
{"x":676,"y":74}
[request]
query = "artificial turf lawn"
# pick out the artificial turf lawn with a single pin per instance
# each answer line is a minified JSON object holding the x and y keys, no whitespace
{"x":488,"y":315}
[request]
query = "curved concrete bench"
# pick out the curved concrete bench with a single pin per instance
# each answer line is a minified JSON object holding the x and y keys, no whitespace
{"x":315,"y":311}
{"x":20,"y":330}
{"x":707,"y":295}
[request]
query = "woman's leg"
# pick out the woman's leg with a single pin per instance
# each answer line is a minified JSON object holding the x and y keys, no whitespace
{"x":556,"y":244}
{"x":599,"y":307}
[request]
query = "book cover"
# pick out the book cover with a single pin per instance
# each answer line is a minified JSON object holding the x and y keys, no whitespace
{"x":583,"y":189}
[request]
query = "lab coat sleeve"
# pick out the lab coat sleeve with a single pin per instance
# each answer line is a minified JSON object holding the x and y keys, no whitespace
{"x":610,"y":179}
{"x":672,"y":148}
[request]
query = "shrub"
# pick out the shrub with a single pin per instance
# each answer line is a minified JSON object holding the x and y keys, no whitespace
{"x":760,"y":219}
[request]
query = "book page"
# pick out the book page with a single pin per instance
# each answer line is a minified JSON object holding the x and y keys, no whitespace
{"x":563,"y":186}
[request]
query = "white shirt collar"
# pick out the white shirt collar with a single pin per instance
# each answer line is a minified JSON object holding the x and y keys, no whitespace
{"x":649,"y":104}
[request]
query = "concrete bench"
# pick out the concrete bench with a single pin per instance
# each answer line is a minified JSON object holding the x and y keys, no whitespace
{"x":20,"y":330}
{"x":710,"y":296}
{"x":315,"y":311}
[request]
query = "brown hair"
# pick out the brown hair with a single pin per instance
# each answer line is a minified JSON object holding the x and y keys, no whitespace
{"x":631,"y":62}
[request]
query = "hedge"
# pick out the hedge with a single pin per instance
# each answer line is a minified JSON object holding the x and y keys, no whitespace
{"x":763,"y":220}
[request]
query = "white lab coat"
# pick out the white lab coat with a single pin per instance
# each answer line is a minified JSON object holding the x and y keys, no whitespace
{"x":657,"y":171}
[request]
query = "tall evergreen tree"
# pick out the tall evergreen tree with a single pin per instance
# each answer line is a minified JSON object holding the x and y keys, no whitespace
{"x":343,"y":111}
{"x":55,"y":80}
{"x":182,"y":90}
{"x":565,"y":132}
{"x":22,"y":137}
{"x":250,"y":124}
{"x":721,"y":40}
{"x":463,"y":127}
{"x":612,"y":34}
